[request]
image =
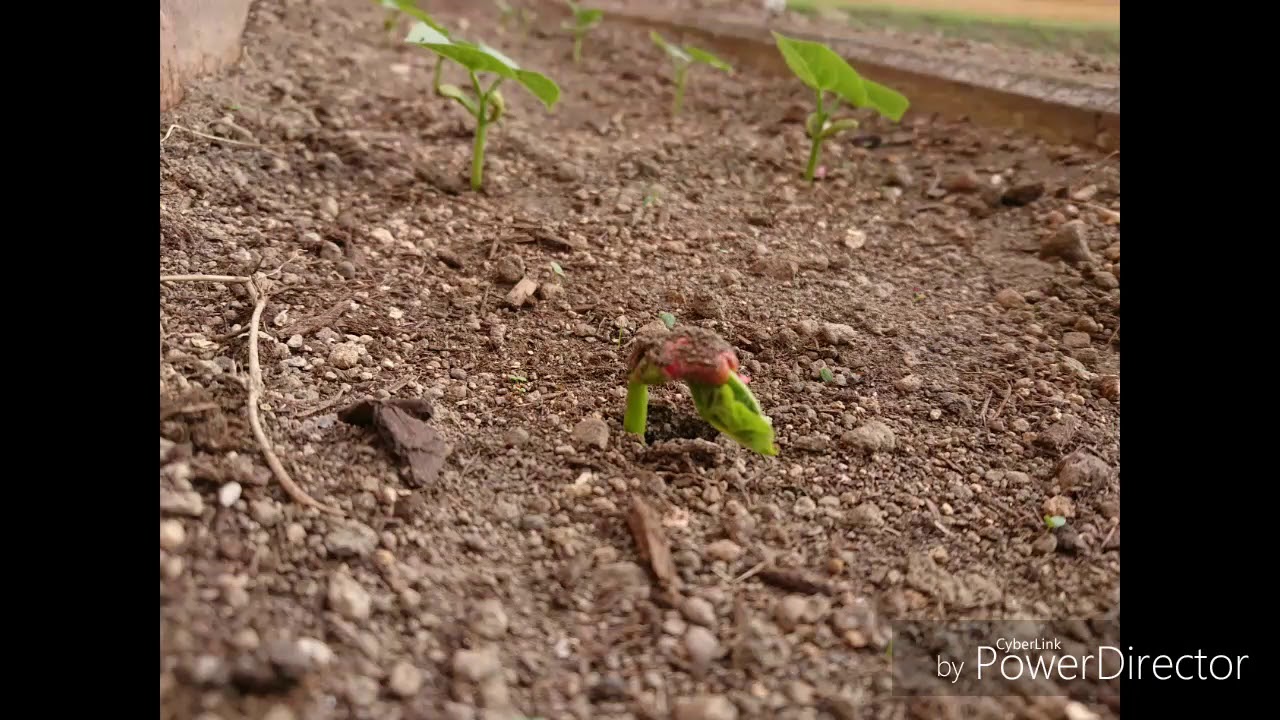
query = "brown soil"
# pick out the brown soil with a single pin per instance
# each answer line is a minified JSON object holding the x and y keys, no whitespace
{"x":557,"y":567}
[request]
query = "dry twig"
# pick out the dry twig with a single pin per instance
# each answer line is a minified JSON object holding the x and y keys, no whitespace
{"x":258,"y":288}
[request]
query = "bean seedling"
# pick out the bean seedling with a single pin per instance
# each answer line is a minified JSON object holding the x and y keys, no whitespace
{"x":684,"y":58}
{"x":823,"y":70}
{"x":485,"y":105}
{"x":709,"y":367}
{"x":583,"y":20}
{"x":521,"y":17}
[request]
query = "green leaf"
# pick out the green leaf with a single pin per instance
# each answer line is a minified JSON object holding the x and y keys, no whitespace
{"x":409,"y":8}
{"x":482,"y":58}
{"x":819,"y":67}
{"x":675,"y":52}
{"x":1054,"y":521}
{"x":825,"y":374}
{"x":517,"y":378}
{"x":586,"y":17}
{"x":555,"y":268}
{"x":667,"y":319}
{"x":885,"y":100}
{"x":731,"y":409}
{"x":707,"y":58}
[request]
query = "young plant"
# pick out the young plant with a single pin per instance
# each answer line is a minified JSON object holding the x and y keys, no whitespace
{"x":397,"y":8}
{"x":583,"y":20}
{"x":708,"y":365}
{"x":484,"y":104}
{"x":684,"y":58}
{"x":520,"y":17}
{"x":823,"y":70}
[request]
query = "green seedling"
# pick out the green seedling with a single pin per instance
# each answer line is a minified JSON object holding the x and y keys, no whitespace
{"x":555,"y":268}
{"x":398,"y":8}
{"x":584,"y":19}
{"x":484,"y":104}
{"x":684,"y":58}
{"x":709,"y":367}
{"x":667,"y":319}
{"x":825,"y":374}
{"x":520,"y":17}
{"x":1054,"y":522}
{"x":823,"y":70}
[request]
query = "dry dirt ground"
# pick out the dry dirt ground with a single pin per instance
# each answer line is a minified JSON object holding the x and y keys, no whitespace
{"x":959,"y":286}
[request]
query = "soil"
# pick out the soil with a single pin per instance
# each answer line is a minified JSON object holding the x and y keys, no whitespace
{"x":959,"y":288}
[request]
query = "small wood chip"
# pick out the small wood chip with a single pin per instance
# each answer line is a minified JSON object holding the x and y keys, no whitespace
{"x":646,"y":528}
{"x":521,"y":293}
{"x":402,"y":425}
{"x":796,"y":581}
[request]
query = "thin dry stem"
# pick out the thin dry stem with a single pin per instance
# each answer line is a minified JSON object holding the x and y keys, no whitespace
{"x":259,"y":297}
{"x":218,"y":138}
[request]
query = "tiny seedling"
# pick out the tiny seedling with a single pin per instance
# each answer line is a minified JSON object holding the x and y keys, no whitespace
{"x":709,"y":367}
{"x":684,"y":58}
{"x":825,"y":374}
{"x":667,"y":319}
{"x":484,"y":104}
{"x":584,"y":19}
{"x":519,"y":16}
{"x":555,"y":268}
{"x":397,"y":8}
{"x":823,"y":70}
{"x":1054,"y":522}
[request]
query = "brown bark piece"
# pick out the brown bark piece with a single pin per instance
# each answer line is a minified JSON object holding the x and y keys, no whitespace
{"x":646,"y":528}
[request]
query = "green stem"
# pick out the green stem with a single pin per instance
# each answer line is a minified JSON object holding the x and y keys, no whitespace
{"x":577,"y":48}
{"x":477,"y":153}
{"x":681,"y":74}
{"x":815,"y":150}
{"x":637,"y":408}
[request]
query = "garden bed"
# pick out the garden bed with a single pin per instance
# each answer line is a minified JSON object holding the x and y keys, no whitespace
{"x":969,"y":332}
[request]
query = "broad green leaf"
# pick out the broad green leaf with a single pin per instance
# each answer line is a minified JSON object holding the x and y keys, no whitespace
{"x":885,"y":100}
{"x":672,"y":50}
{"x":707,"y":58}
{"x":826,"y":375}
{"x":724,"y":408}
{"x":819,"y":67}
{"x":482,"y":58}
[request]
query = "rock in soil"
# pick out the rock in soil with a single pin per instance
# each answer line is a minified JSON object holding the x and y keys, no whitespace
{"x":706,"y":707}
{"x":348,"y":597}
{"x":871,"y":437}
{"x":1070,"y":243}
{"x":591,"y":432}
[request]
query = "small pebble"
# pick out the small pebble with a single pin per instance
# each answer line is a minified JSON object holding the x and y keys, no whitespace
{"x":702,"y":644}
{"x":172,"y":534}
{"x":699,"y":611}
{"x":348,"y":598}
{"x":405,"y":680}
{"x":726,"y":550}
{"x":228,"y":494}
{"x":705,"y":707}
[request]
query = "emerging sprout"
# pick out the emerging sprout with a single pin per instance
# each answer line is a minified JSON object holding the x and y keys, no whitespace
{"x":1054,"y":521}
{"x":583,"y":20}
{"x":484,"y":104}
{"x":683,"y":58}
{"x":708,"y":365}
{"x":397,"y":8}
{"x":819,"y":67}
{"x":520,"y":16}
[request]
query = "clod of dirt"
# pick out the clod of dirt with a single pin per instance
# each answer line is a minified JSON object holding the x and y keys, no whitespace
{"x":699,"y":611}
{"x":405,"y":680}
{"x":899,"y":175}
{"x":775,"y":267}
{"x":868,"y":514}
{"x":1024,"y":194}
{"x":909,"y":384}
{"x":872,"y":436}
{"x":488,"y":619}
{"x":1076,"y":339}
{"x":186,"y":502}
{"x":837,"y":334}
{"x":855,"y":239}
{"x":1082,"y":469}
{"x":702,"y":645}
{"x":521,"y":293}
{"x":1010,"y":299}
{"x":402,"y":425}
{"x":760,"y":645}
{"x":478,"y":664}
{"x":348,"y":598}
{"x":172,"y":534}
{"x":651,"y":540}
{"x":1058,"y":435}
{"x":510,"y":269}
{"x":591,"y":432}
{"x":1109,"y":387}
{"x":961,"y":181}
{"x":1060,"y":505}
{"x":345,"y":356}
{"x":1045,"y":544}
{"x":797,"y":581}
{"x":724,"y":550}
{"x":705,"y":707}
{"x":1070,"y":243}
{"x":351,"y":539}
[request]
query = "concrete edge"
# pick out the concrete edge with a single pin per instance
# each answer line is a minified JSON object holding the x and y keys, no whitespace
{"x":197,"y":37}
